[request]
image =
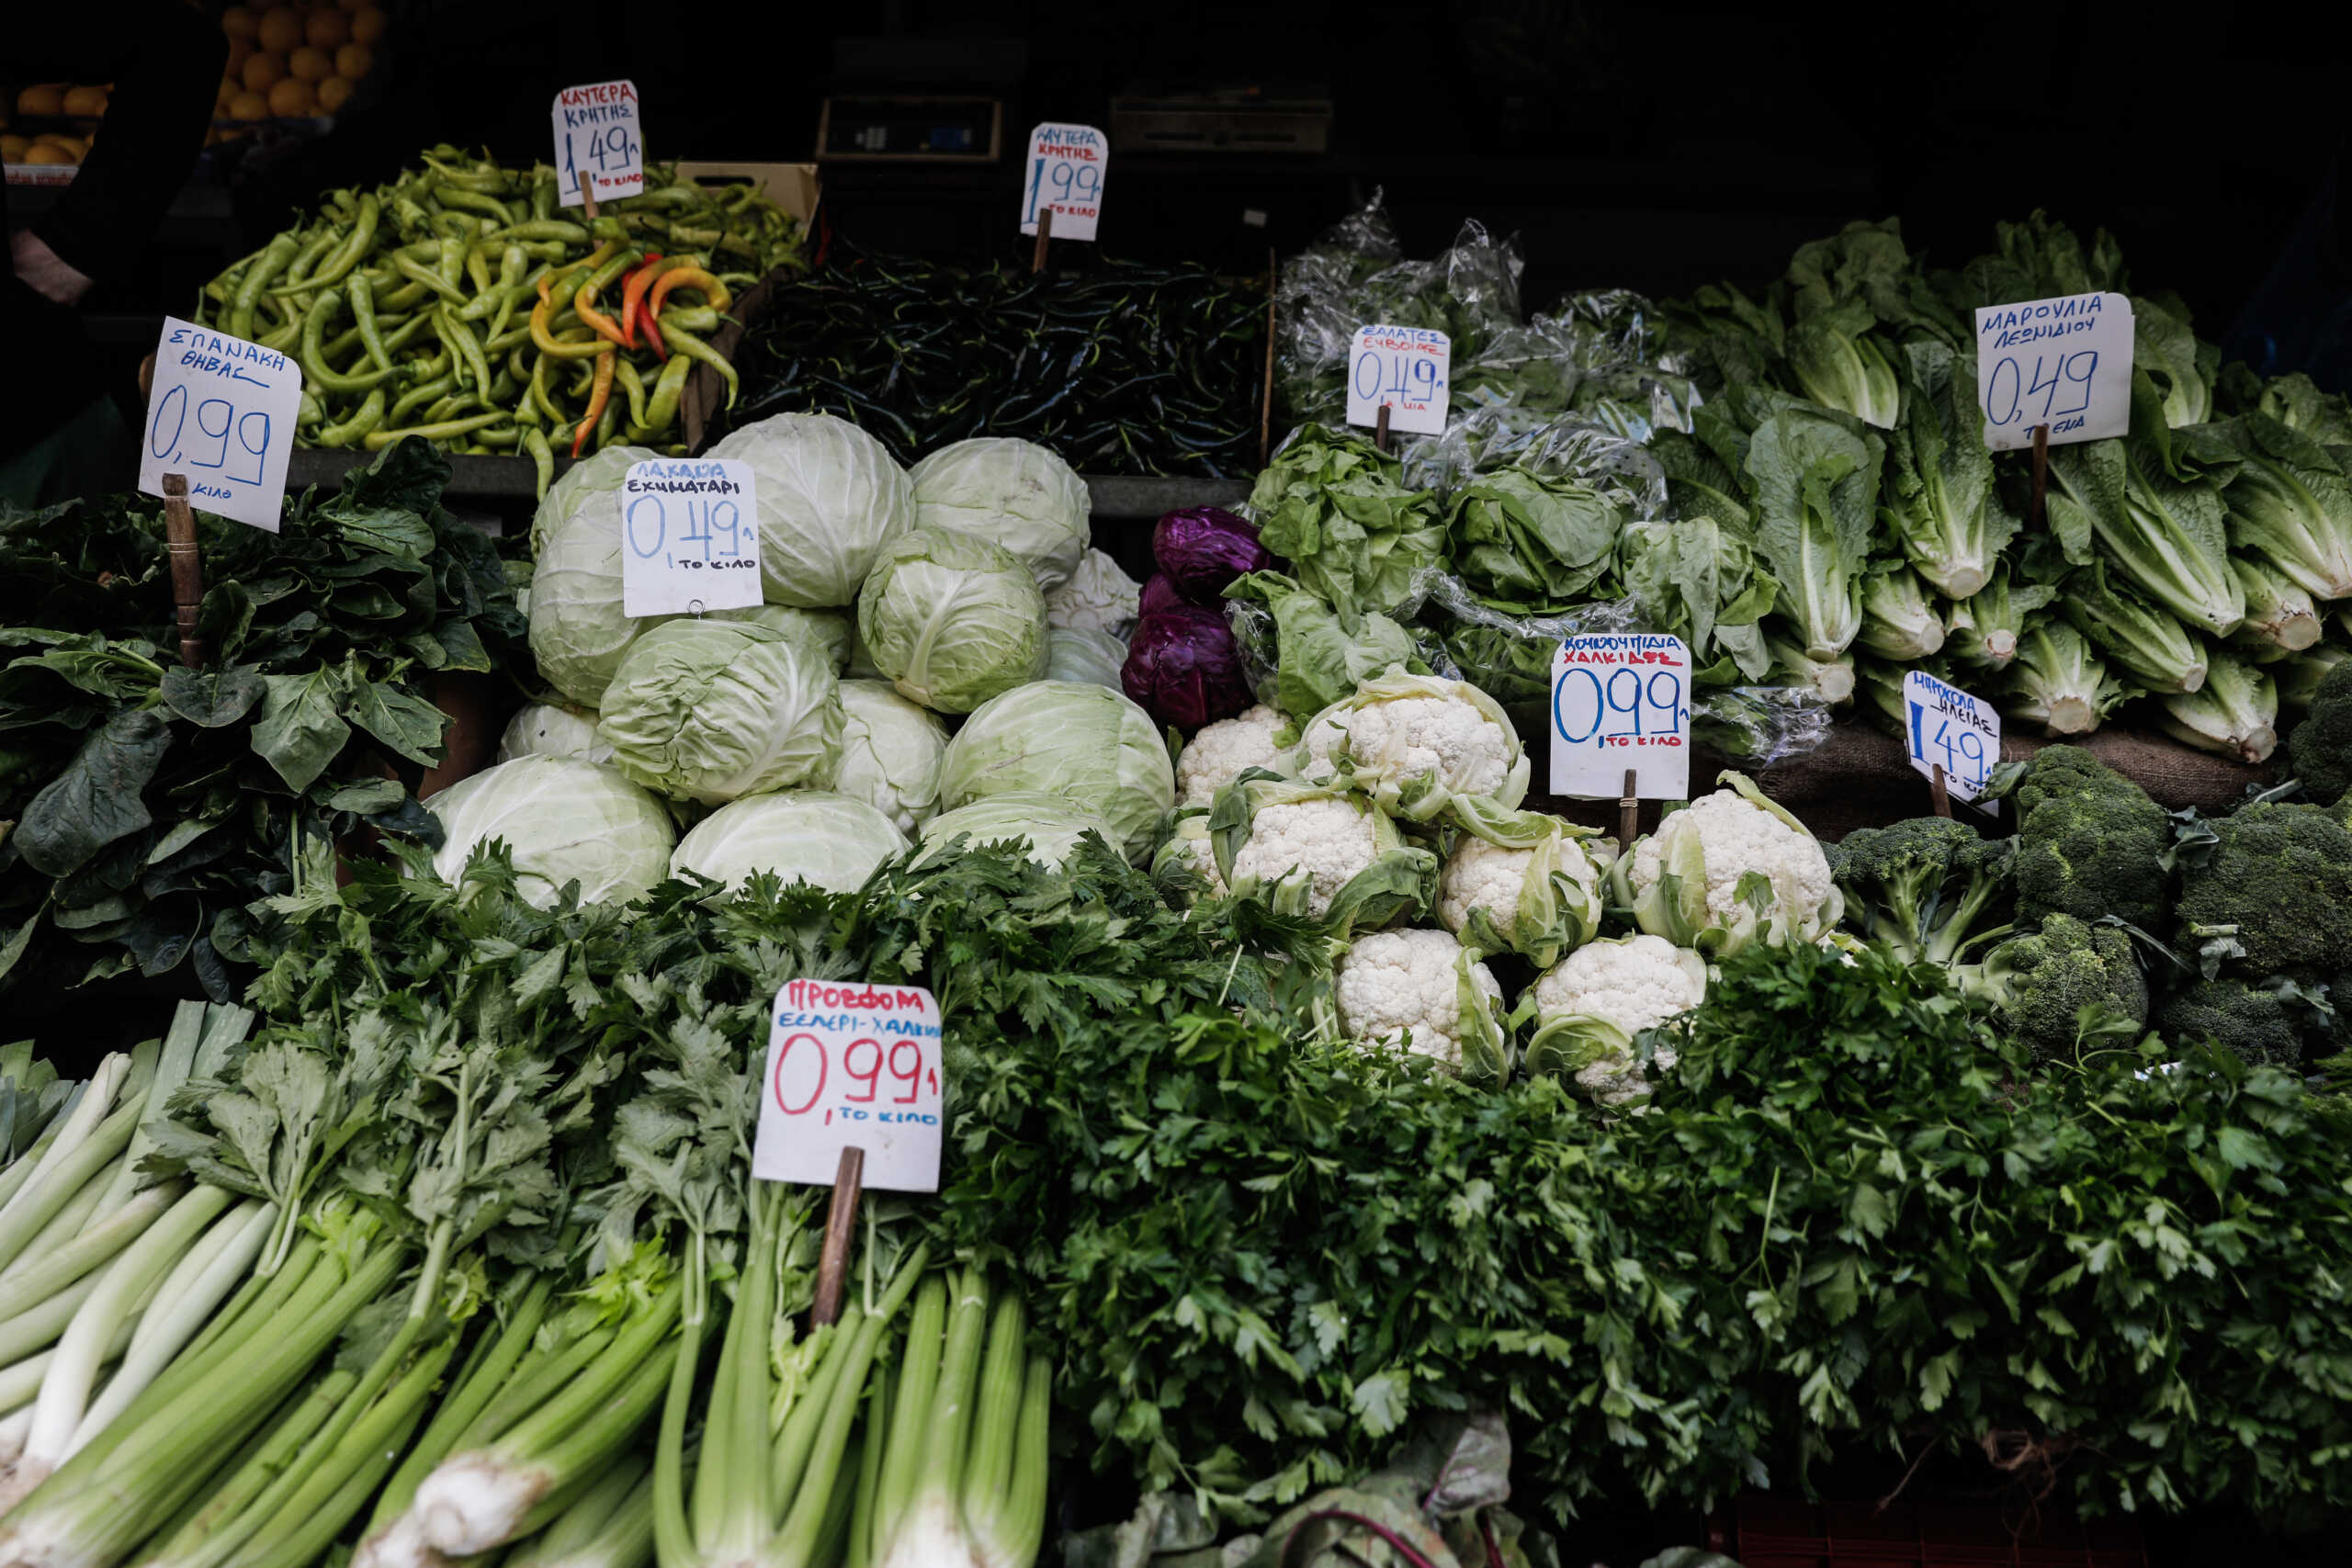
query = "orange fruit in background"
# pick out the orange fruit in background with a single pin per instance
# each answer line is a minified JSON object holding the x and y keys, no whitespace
{"x":49,"y":153}
{"x":333,"y":93}
{"x":43,"y":99}
{"x":262,"y":72}
{"x":292,"y":98}
{"x":240,"y":23}
{"x":281,"y":30}
{"x":248,"y":106}
{"x":367,"y":24}
{"x":90,"y":101}
{"x":240,"y":50}
{"x":354,"y":61}
{"x":327,"y":30}
{"x":14,"y":148}
{"x":310,"y":64}
{"x":220,"y":100}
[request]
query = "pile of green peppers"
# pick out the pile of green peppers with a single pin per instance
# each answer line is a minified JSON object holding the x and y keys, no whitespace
{"x":460,"y":304}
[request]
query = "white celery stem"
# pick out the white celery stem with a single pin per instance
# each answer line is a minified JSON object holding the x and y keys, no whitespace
{"x":172,"y":1066}
{"x":39,"y":1325}
{"x":78,"y":1213}
{"x":183,"y":1304}
{"x":66,"y":1392}
{"x":88,"y":1112}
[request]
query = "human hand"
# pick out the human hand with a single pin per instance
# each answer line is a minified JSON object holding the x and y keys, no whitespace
{"x":44,"y":271}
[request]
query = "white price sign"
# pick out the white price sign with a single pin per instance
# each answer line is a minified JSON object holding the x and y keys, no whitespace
{"x":220,"y":411}
{"x":852,"y":1067}
{"x":1948,"y":729}
{"x":1407,"y":368}
{"x":1619,"y":702}
{"x":599,"y":142}
{"x":690,"y":536}
{"x":1065,"y":173}
{"x":2064,"y":363}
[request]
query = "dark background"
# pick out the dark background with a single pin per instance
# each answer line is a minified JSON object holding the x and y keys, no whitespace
{"x":1654,"y":147}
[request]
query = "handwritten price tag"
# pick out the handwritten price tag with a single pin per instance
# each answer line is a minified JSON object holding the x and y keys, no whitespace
{"x":598,"y":139}
{"x":1409,"y":369}
{"x":2064,"y":363}
{"x":690,"y":536}
{"x":1947,"y":727}
{"x":1066,"y":166}
{"x":221,"y":412}
{"x":851,"y":1065}
{"x":1621,"y":702}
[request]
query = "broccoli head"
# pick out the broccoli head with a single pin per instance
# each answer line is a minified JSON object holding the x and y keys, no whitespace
{"x":2040,"y":982}
{"x":2320,"y":747}
{"x":2087,"y":841}
{"x":1929,"y":888}
{"x":2282,"y":875}
{"x":2259,"y":1025}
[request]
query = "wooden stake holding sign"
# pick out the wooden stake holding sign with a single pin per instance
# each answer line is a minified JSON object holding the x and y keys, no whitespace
{"x":1629,"y":809}
{"x":188,"y":567}
{"x":1380,"y":430}
{"x":2039,"y":515}
{"x":1044,"y":238}
{"x":852,"y":1097}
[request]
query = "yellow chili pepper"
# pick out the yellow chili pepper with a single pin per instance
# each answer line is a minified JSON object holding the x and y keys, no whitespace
{"x":548,"y":344}
{"x":583,"y":304}
{"x":713,"y":291}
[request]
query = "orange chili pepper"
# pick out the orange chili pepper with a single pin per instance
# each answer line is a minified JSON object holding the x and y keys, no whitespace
{"x":584,"y":305}
{"x":633,"y":287}
{"x":598,"y":396}
{"x":712,"y":289}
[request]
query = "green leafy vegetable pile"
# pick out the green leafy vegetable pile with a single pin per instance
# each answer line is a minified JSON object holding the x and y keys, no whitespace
{"x":145,"y":804}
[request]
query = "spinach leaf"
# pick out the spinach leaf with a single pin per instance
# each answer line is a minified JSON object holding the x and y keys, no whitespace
{"x":301,"y":730}
{"x":97,"y":799}
{"x":211,"y":698}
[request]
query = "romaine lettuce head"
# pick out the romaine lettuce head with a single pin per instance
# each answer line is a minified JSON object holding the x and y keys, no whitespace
{"x":1086,"y":743}
{"x":1050,"y":826}
{"x":712,"y":710}
{"x":564,"y":820}
{"x":579,"y":630}
{"x":891,"y":751}
{"x":830,"y":499}
{"x":594,"y":481}
{"x":1013,"y":493}
{"x":545,"y":729}
{"x":1075,"y":653}
{"x":951,"y":620}
{"x":827,"y":631}
{"x":804,"y":835}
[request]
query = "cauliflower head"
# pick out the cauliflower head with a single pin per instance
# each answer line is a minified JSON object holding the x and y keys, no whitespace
{"x":1422,"y":746}
{"x":1420,"y":990}
{"x":1729,"y":869}
{"x":1540,"y":899}
{"x":1221,"y":752}
{"x":1590,"y":1005}
{"x":1330,"y":841}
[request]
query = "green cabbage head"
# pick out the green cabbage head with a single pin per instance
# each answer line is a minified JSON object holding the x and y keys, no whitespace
{"x":712,"y":710}
{"x":830,"y":499}
{"x":802,"y":835}
{"x":952,"y":620}
{"x":1084,"y":742}
{"x":565,"y":821}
